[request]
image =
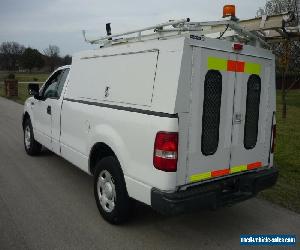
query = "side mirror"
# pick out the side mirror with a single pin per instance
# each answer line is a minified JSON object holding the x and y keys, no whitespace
{"x":33,"y":90}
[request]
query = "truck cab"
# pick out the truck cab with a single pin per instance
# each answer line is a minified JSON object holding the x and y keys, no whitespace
{"x":45,"y":109}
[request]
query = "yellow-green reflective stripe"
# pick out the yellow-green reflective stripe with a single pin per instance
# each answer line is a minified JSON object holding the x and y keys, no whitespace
{"x":252,"y":68}
{"x":237,"y":169}
{"x":200,"y":177}
{"x":217,"y":63}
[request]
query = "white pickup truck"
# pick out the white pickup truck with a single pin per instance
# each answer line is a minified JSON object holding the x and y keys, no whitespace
{"x":178,"y":123}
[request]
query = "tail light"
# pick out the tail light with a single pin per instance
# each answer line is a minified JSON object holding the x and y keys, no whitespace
{"x":274,"y":139}
{"x":237,"y":46}
{"x":166,"y":151}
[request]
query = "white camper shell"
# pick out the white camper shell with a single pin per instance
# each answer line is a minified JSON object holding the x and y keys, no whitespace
{"x":177,"y":123}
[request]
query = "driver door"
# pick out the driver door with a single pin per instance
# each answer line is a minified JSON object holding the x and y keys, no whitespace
{"x":42,"y":109}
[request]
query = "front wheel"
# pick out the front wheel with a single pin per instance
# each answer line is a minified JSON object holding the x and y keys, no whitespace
{"x":110,"y":191}
{"x":32,"y":147}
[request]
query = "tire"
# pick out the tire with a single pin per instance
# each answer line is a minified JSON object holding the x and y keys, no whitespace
{"x":32,"y":147}
{"x":110,"y":191}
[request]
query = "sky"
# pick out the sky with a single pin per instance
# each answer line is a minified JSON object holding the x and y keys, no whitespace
{"x":38,"y":23}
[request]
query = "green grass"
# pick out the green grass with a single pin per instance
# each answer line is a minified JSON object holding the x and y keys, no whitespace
{"x":22,"y":77}
{"x":287,"y":156}
{"x":23,"y":93}
{"x":25,"y":77}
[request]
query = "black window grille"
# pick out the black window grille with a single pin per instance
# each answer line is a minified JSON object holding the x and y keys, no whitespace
{"x":211,"y":112}
{"x":252,"y":111}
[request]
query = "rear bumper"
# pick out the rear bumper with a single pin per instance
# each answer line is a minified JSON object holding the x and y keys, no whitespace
{"x":214,"y":194}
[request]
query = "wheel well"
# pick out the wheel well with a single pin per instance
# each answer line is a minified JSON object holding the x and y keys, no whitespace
{"x":98,"y":152}
{"x":25,"y":117}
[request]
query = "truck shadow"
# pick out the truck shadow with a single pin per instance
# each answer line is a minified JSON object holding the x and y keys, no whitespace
{"x":145,"y":214}
{"x":240,"y":218}
{"x":225,"y":224}
{"x":46,"y":152}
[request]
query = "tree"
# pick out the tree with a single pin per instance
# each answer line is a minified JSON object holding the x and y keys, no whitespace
{"x":274,"y":7}
{"x":2,"y":62}
{"x":287,"y":51}
{"x":52,"y":53}
{"x":32,"y":58}
{"x":11,"y":53}
{"x":67,"y":60}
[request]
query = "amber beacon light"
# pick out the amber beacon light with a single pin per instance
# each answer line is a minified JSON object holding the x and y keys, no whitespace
{"x":229,"y":11}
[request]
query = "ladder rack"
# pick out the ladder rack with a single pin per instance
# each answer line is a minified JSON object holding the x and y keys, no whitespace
{"x":259,"y":31}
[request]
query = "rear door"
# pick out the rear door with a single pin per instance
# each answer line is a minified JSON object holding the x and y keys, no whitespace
{"x":230,"y":118}
{"x":211,"y":110}
{"x":251,"y":129}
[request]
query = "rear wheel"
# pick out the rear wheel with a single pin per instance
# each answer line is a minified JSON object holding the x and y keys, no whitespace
{"x":32,"y":147}
{"x":110,"y":191}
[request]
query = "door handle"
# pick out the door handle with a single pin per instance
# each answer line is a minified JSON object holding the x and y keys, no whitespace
{"x":237,"y":118}
{"x":49,"y":110}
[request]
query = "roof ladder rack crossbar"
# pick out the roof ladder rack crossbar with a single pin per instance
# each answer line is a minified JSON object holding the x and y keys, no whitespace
{"x":138,"y":31}
{"x":240,"y":30}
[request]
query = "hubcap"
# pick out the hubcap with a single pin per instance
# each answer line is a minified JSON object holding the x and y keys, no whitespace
{"x":27,"y":136}
{"x":106,"y":191}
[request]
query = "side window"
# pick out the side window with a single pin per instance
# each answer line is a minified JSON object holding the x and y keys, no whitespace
{"x":50,"y":89}
{"x":62,"y":81}
{"x":252,"y":111}
{"x":211,"y":112}
{"x":55,"y":84}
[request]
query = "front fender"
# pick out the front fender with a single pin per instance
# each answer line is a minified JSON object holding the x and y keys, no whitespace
{"x":28,"y":110}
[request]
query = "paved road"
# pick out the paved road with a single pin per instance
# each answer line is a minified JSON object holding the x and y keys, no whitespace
{"x":46,"y":203}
